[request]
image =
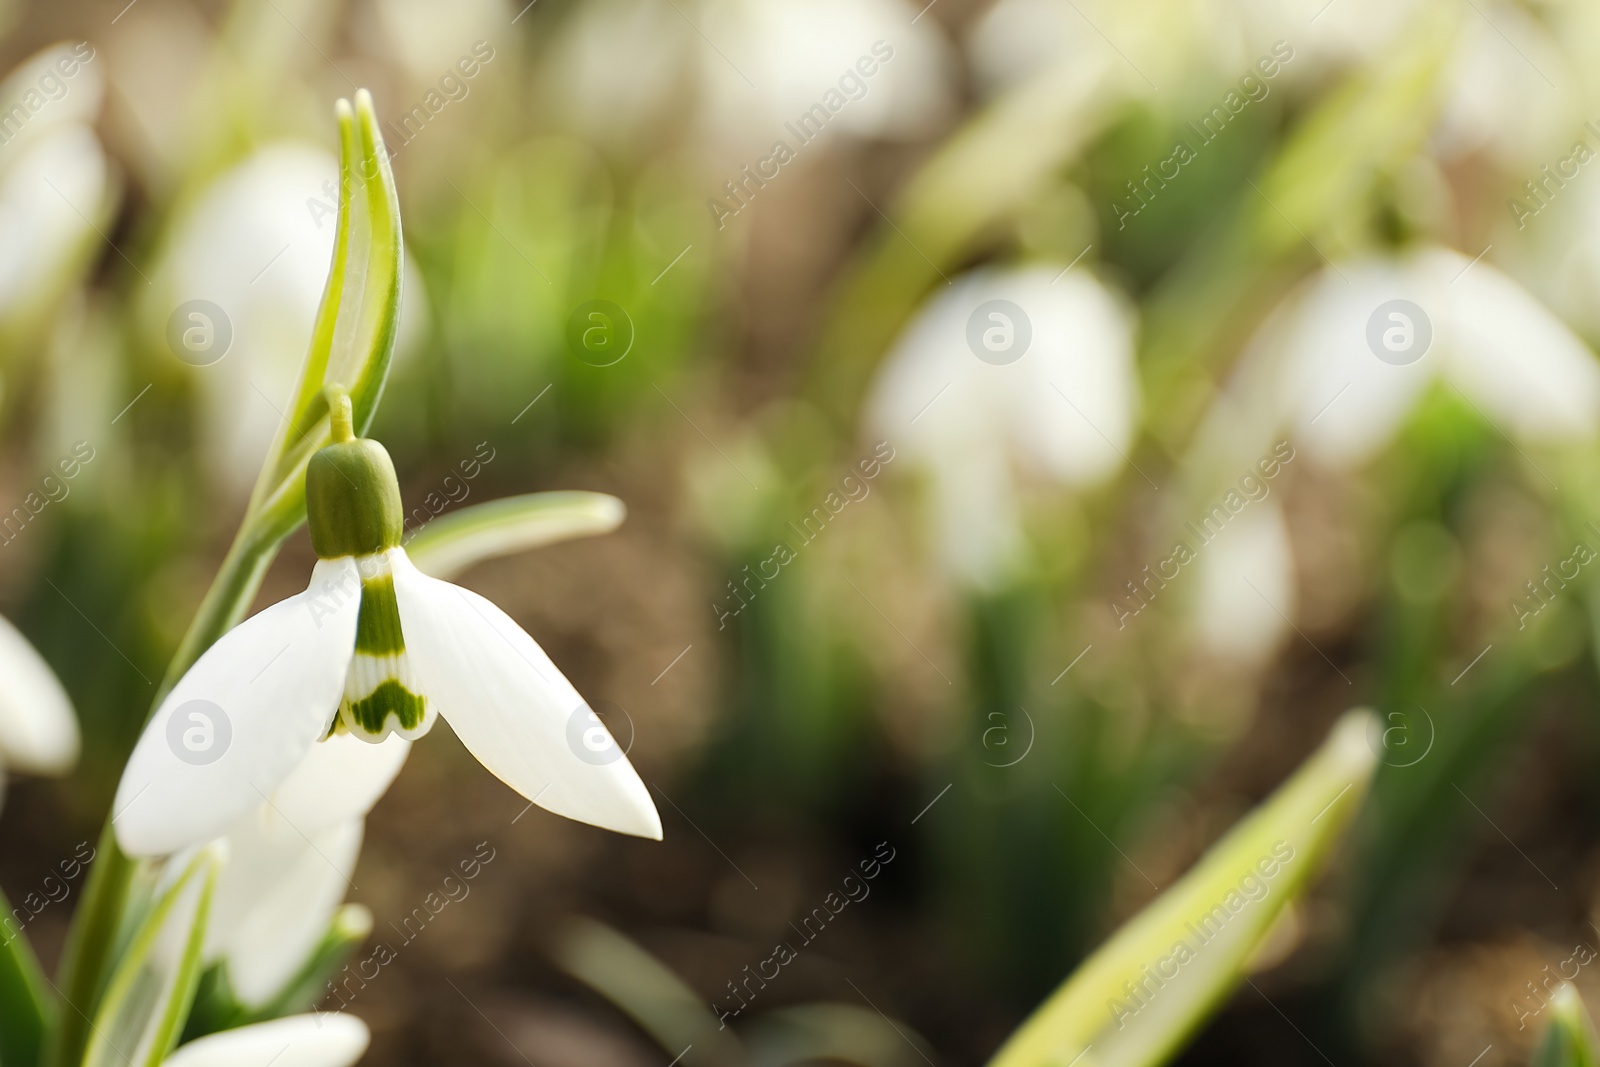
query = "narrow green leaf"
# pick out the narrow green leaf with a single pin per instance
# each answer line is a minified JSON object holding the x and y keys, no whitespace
{"x":450,"y":544}
{"x":1569,"y":1039}
{"x":1135,"y":1001}
{"x":833,"y":1033}
{"x":26,"y":1006}
{"x":148,"y":998}
{"x":647,"y":992}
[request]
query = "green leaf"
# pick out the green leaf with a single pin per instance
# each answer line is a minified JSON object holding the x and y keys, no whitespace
{"x":449,"y":545}
{"x":833,"y":1033}
{"x":649,"y":993}
{"x":150,"y":991}
{"x":1135,"y":1001}
{"x":352,"y":341}
{"x":25,"y":1005}
{"x":1569,"y":1039}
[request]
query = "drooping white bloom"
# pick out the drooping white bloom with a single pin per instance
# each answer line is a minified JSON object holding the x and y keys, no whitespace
{"x":1337,"y":368}
{"x":55,"y":181}
{"x":874,"y":68}
{"x":1025,"y":371}
{"x":372,"y":648}
{"x":796,"y":51}
{"x":290,"y":861}
{"x":38,"y":731}
{"x":1340,"y":363}
{"x":1244,"y":589}
{"x":321,"y":1040}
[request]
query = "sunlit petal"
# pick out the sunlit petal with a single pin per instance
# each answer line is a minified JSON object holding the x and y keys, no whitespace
{"x":241,"y":719}
{"x":513,"y":709}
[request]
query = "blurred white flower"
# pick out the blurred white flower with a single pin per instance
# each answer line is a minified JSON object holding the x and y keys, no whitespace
{"x":1315,"y":366}
{"x":1501,"y":94}
{"x":756,"y":65}
{"x":290,"y":862}
{"x":617,"y":67}
{"x":1339,"y":365}
{"x":428,"y":37}
{"x":1244,"y":593}
{"x":1015,"y":41}
{"x":320,"y":1040}
{"x":38,"y":730}
{"x":257,"y":243}
{"x":55,"y":182}
{"x":776,"y":59}
{"x":1064,"y":410}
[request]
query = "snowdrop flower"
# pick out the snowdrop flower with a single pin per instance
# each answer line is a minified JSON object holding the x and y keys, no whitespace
{"x":330,"y":1040}
{"x":1343,"y":361}
{"x":1501,"y":95}
{"x":38,"y":731}
{"x":756,"y":65}
{"x":55,"y":181}
{"x":796,"y":51}
{"x":372,"y":648}
{"x":1244,"y":588}
{"x":1338,"y":367}
{"x":1026,"y":370}
{"x":290,"y":861}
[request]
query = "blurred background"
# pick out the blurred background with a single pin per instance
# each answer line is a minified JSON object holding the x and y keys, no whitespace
{"x":1037,"y":419}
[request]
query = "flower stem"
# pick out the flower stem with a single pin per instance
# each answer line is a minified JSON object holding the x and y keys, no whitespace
{"x":86,"y":960}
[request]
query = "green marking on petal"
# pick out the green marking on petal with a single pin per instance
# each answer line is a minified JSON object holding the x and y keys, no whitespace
{"x":378,"y":625}
{"x":390,"y":698}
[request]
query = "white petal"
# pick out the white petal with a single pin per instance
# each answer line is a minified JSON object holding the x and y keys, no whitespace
{"x":324,"y":1039}
{"x":1344,"y":401}
{"x":1514,"y":359}
{"x":275,"y":898}
{"x":513,"y":709}
{"x":45,"y":228}
{"x":341,"y":778}
{"x":1245,"y":594}
{"x":263,"y":695}
{"x":38,"y":731}
{"x":1066,"y":407}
